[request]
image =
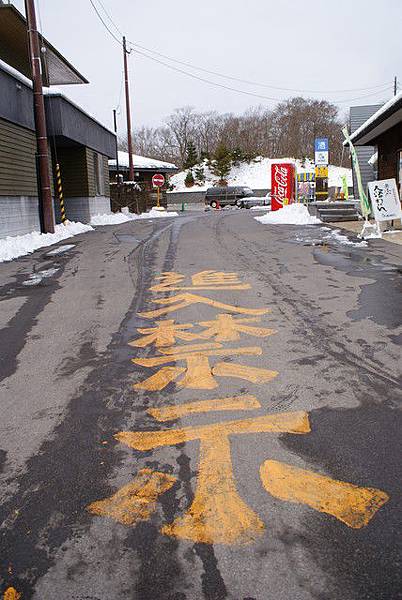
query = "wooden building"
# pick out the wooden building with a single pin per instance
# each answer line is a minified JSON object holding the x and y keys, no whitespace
{"x":80,"y":144}
{"x":383,"y":130}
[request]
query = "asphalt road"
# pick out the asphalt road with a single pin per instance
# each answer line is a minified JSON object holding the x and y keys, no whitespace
{"x":88,"y":516}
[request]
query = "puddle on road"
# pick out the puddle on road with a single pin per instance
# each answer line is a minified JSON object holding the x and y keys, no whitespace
{"x":379,"y":301}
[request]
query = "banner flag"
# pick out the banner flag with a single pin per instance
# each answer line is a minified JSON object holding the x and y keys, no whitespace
{"x":364,"y":202}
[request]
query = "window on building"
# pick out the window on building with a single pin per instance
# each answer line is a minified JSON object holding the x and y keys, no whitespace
{"x":99,"y":175}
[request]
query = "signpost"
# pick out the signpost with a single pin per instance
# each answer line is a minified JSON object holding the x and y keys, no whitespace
{"x":282,"y":184}
{"x":158,"y":181}
{"x":321,"y":154}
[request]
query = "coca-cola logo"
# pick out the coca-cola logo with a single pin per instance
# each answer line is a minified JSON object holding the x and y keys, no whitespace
{"x":281,"y":176}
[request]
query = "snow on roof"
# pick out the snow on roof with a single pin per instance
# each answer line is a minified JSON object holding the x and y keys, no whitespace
{"x":14,"y":73}
{"x":376,"y":116}
{"x":142,"y":162}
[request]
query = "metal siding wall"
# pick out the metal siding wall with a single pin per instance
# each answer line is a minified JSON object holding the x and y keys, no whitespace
{"x":358,"y":116}
{"x":90,"y":172}
{"x":74,"y":172}
{"x":17,"y":160}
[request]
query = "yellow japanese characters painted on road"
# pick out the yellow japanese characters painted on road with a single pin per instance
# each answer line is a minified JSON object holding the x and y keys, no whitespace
{"x":11,"y":594}
{"x":226,"y":328}
{"x":198,"y":373}
{"x":217,"y":515}
{"x":136,"y":501}
{"x":185,"y":299}
{"x":352,"y":505}
{"x":165,"y":333}
{"x":169,"y":413}
{"x":205,"y":280}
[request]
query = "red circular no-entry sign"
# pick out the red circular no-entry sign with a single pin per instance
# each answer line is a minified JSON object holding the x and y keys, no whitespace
{"x":158,"y":180}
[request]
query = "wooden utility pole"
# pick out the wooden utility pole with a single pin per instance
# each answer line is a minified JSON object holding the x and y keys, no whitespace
{"x":128,"y":112}
{"x":44,"y":188}
{"x":395,"y":85}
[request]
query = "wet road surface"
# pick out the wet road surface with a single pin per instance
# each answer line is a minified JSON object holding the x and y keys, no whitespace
{"x":272,"y":466}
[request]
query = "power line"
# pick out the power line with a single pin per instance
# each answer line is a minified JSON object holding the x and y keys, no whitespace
{"x":110,"y":18}
{"x":214,"y":83}
{"x":256,"y":83}
{"x":226,"y":87}
{"x":105,"y":24}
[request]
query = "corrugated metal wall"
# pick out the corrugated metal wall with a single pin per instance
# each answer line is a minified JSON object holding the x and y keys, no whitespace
{"x":358,"y":116}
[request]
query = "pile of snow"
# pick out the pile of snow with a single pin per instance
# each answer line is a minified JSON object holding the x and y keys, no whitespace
{"x":293,"y":214}
{"x":117,"y":218}
{"x":256,"y":174}
{"x":21,"y":245}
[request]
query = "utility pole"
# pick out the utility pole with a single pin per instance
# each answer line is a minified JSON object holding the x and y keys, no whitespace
{"x":44,"y":188}
{"x":395,"y":85}
{"x":117,"y":146}
{"x":128,"y":112}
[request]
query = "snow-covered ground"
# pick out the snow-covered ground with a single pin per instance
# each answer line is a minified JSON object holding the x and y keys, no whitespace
{"x":293,"y":214}
{"x":257,"y":174}
{"x":116,"y":218}
{"x":21,"y":245}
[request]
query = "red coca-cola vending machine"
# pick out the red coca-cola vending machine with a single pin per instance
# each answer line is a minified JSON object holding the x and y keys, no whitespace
{"x":283,"y":184}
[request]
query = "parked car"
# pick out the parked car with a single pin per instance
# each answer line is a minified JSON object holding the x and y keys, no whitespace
{"x":249,"y":202}
{"x":226,"y":196}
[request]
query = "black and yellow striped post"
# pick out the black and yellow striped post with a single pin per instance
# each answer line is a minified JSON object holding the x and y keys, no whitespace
{"x":60,"y":194}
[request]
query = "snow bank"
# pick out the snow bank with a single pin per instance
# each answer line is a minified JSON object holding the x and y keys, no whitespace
{"x":117,"y":218}
{"x":293,"y":214}
{"x":21,"y":245}
{"x":256,"y":174}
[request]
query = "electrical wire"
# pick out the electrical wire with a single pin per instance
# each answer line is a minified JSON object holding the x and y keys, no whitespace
{"x":135,"y":46}
{"x":105,"y":24}
{"x":249,"y":82}
{"x":110,"y":18}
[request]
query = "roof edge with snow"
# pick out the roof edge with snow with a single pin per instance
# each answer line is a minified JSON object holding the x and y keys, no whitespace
{"x":386,"y":117}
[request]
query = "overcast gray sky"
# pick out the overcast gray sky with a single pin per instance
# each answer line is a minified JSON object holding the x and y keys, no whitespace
{"x":307,"y":45}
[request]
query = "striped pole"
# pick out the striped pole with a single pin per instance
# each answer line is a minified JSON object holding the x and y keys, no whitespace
{"x":60,"y":193}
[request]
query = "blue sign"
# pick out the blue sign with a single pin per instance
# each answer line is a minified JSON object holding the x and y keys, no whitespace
{"x":321,"y":145}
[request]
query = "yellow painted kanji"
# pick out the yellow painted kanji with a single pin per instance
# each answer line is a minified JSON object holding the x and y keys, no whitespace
{"x":11,"y":594}
{"x":226,"y":328}
{"x":165,"y":333}
{"x":355,"y":506}
{"x":136,"y":501}
{"x":185,"y":299}
{"x":217,"y":515}
{"x":205,"y":280}
{"x":177,"y":411}
{"x":198,"y":374}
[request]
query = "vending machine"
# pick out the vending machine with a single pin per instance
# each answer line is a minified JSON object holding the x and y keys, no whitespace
{"x":283,"y":184}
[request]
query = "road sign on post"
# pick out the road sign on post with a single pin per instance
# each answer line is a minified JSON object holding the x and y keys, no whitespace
{"x":321,"y":148}
{"x":158,"y":181}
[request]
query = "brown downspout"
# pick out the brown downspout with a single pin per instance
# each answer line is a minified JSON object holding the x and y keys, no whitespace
{"x":44,"y":191}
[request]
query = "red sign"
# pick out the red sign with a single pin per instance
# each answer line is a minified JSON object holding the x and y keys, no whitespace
{"x":282,"y":184}
{"x":158,"y":180}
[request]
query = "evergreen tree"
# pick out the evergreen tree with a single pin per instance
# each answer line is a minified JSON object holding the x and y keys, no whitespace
{"x":191,"y":156}
{"x":200,"y":175}
{"x":189,"y":180}
{"x":222,"y":162}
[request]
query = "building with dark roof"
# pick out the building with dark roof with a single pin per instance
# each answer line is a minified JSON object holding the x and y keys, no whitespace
{"x":383,"y":130}
{"x":81,"y":145}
